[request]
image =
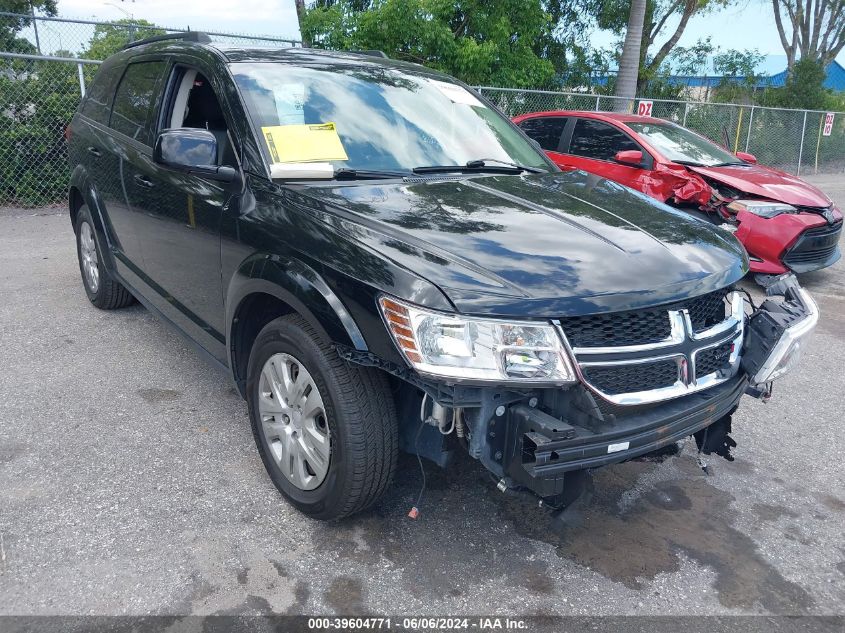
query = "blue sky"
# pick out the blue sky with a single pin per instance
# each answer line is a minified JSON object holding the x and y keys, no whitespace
{"x":748,"y":24}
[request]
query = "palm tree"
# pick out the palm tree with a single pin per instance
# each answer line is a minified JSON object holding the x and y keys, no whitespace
{"x":629,"y":64}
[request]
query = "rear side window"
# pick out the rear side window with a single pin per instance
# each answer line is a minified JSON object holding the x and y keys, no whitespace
{"x":99,"y":93}
{"x":595,"y":139}
{"x":545,"y":130}
{"x":134,"y":98}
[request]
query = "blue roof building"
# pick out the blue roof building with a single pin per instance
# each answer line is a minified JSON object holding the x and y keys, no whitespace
{"x":835,"y":77}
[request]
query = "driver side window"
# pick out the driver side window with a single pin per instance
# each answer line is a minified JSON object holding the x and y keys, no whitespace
{"x":598,"y":140}
{"x":195,"y":105}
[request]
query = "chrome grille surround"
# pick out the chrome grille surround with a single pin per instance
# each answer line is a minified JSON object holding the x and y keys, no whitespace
{"x":681,"y":346}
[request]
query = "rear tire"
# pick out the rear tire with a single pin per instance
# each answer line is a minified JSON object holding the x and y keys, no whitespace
{"x":102,"y":289}
{"x":355,"y":416}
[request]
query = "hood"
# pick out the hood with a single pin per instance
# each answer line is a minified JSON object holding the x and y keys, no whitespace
{"x":767,"y":183}
{"x":543,"y":245}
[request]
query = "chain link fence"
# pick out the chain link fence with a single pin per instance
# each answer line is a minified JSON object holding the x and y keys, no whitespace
{"x":791,"y":140}
{"x":90,"y":39}
{"x":46,"y":64}
{"x":49,"y":61}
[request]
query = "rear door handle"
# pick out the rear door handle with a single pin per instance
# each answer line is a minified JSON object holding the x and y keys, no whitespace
{"x":144,"y":181}
{"x":94,"y":152}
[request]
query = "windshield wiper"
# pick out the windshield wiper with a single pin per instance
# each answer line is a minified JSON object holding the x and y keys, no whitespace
{"x":480,"y":165}
{"x":344,"y":173}
{"x":692,"y":163}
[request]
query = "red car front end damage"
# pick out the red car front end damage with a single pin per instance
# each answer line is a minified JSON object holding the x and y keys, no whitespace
{"x":784,"y":223}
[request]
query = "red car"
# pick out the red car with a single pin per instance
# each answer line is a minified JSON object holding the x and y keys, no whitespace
{"x":785,"y":223}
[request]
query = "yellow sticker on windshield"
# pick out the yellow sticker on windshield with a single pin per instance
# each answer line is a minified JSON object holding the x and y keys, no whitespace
{"x":303,"y":143}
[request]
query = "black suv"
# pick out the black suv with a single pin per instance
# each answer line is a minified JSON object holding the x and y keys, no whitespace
{"x":382,"y":260}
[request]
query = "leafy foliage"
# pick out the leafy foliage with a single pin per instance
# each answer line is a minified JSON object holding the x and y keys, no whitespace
{"x":109,"y":39}
{"x":739,"y":76}
{"x":804,"y":88}
{"x":10,"y":27}
{"x":519,"y":43}
{"x":37,"y":100}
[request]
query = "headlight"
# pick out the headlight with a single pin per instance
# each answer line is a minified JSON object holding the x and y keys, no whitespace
{"x":466,"y":348}
{"x":761,"y":207}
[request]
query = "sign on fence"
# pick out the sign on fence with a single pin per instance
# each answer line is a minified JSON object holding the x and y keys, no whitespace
{"x":644,"y":108}
{"x":828,"y":124}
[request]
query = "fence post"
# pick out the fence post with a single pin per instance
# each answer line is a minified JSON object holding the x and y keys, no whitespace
{"x":81,"y":76}
{"x":801,"y":147}
{"x":750,"y":121}
{"x":819,"y":142}
{"x":738,"y":130}
{"x":35,"y":28}
{"x":686,"y":111}
{"x":598,"y":98}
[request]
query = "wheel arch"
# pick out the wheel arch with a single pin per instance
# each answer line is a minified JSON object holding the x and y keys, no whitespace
{"x":81,"y":191}
{"x":266,"y":287}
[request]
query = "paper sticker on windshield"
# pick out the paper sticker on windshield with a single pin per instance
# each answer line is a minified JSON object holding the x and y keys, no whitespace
{"x":457,"y":94}
{"x":290,"y":101}
{"x":303,"y":143}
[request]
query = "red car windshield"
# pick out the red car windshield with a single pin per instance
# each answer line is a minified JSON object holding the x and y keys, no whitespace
{"x":683,"y":146}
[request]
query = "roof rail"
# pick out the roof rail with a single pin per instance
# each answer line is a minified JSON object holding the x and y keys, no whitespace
{"x":372,"y":53}
{"x":186,"y":36}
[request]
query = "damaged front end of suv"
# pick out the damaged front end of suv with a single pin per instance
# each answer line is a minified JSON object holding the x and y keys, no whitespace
{"x":539,"y":404}
{"x":565,"y":335}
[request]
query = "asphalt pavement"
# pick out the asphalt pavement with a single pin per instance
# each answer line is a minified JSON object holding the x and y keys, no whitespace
{"x":130,"y":484}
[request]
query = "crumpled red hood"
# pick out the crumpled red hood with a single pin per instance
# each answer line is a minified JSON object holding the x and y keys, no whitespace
{"x":766,"y":182}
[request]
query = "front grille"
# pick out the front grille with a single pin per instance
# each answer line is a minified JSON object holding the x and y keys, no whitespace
{"x":651,"y":352}
{"x":641,"y":327}
{"x":815,"y":246}
{"x":617,"y":328}
{"x":809,"y":257}
{"x":707,"y":310}
{"x":712,"y":360}
{"x":619,"y":379}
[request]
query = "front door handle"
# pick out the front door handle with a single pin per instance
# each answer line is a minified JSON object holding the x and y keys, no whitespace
{"x":94,"y":152}
{"x":144,"y":181}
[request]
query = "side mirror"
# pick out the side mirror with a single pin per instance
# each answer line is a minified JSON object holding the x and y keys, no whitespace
{"x":630,"y":157}
{"x":192,"y":151}
{"x":748,"y":158}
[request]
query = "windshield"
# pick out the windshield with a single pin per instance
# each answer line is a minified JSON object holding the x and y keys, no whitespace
{"x":370,"y":117}
{"x":681,"y":145}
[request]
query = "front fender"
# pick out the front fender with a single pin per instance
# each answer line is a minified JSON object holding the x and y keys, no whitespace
{"x":302,"y":288}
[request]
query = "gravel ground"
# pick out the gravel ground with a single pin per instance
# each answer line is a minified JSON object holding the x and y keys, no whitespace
{"x":129,"y":484}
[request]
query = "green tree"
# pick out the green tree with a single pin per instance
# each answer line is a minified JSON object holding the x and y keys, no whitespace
{"x":803,"y":89}
{"x":810,"y":29}
{"x":37,"y":100}
{"x":738,"y":70}
{"x":10,"y":27}
{"x":110,"y":38}
{"x":659,"y":39}
{"x":519,"y":43}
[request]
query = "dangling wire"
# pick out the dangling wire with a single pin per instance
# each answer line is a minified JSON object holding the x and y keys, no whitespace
{"x":451,"y":428}
{"x":415,"y":512}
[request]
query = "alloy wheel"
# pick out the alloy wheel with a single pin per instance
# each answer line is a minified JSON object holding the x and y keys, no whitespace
{"x":293,"y":421}
{"x":88,"y":253}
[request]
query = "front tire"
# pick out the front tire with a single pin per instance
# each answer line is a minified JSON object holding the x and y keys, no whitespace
{"x":326,"y":430}
{"x":102,"y":289}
